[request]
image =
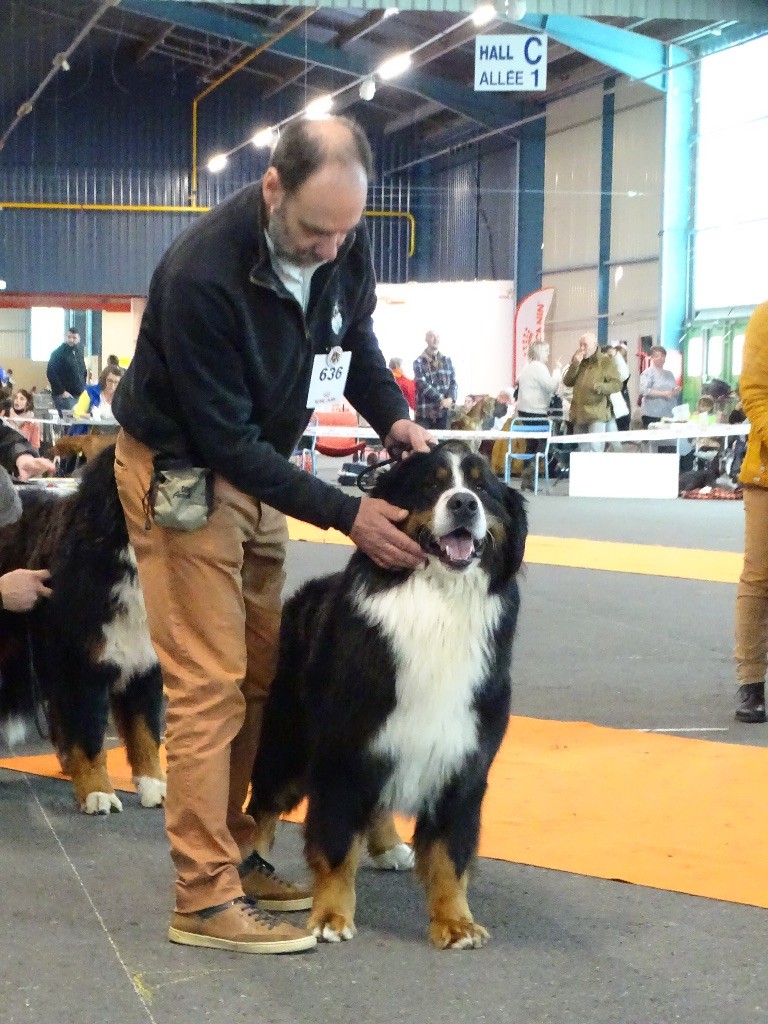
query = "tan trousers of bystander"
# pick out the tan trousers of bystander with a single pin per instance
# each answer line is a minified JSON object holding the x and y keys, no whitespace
{"x":751,"y":652}
{"x":213,"y":607}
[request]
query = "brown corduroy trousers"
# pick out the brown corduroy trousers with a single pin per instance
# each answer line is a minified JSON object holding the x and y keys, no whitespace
{"x":751,"y":650}
{"x":213,"y":607}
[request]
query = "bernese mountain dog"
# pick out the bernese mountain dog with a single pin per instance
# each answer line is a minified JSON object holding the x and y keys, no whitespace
{"x":87,"y":647}
{"x":393,"y":692}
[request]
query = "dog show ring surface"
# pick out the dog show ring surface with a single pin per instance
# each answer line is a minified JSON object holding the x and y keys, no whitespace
{"x":661,"y":811}
{"x":624,"y":475}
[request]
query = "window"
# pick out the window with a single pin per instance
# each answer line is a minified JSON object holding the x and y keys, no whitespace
{"x":738,"y":355}
{"x":46,"y":332}
{"x":715,"y":355}
{"x":731,"y":219}
{"x":695,"y":356}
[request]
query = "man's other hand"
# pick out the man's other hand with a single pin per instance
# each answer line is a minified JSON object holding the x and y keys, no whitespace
{"x":22,"y":588}
{"x":375,"y":533}
{"x":28,"y":466}
{"x":410,"y":435}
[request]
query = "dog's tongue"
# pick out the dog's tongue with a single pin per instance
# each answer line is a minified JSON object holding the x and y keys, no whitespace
{"x":458,"y":546}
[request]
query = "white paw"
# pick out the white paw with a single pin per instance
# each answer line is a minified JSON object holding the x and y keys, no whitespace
{"x":151,"y":791}
{"x":101,"y":803}
{"x":14,"y":730}
{"x":398,"y":858}
{"x":328,"y":934}
{"x":467,"y":942}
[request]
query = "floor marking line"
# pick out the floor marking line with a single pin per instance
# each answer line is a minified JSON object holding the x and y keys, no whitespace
{"x":137,"y":987}
{"x":702,"y":728}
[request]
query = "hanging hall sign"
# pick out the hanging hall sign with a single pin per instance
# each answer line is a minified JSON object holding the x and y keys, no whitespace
{"x":511,"y":63}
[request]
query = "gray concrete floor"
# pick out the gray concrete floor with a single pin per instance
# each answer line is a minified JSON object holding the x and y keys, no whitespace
{"x":87,"y":901}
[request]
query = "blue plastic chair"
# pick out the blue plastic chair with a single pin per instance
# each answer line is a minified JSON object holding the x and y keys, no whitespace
{"x":522,"y":426}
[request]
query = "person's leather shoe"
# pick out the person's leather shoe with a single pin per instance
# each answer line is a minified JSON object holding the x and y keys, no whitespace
{"x":240,"y":926}
{"x":751,"y":707}
{"x":261,"y":883}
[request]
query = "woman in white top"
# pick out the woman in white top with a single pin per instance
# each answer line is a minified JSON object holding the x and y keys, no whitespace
{"x":536,"y":385}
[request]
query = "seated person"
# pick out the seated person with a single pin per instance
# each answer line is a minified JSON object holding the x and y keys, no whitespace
{"x":21,"y":417}
{"x":96,"y":399}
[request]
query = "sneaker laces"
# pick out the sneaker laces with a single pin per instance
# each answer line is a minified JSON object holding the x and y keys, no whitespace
{"x":255,"y":862}
{"x":250,"y":908}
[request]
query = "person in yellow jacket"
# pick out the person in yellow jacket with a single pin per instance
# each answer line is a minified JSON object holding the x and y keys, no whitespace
{"x":751,"y":651}
{"x":593,"y":377}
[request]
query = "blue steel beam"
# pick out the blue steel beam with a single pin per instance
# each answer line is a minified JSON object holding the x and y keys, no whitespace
{"x":492,"y":112}
{"x":627,"y":52}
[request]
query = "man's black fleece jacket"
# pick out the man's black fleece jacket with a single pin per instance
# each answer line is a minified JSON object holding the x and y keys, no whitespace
{"x":224,"y":358}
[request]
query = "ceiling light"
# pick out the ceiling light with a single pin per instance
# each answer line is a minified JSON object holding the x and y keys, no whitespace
{"x":318,"y":108}
{"x":217,"y":163}
{"x":394,"y":66}
{"x":264,"y":138}
{"x":483,"y":15}
{"x":368,"y":88}
{"x":515,"y":9}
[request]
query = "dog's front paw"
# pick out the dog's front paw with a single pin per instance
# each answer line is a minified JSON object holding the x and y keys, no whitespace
{"x":328,"y":926}
{"x":151,"y":791}
{"x":100,"y":803}
{"x":458,"y":934}
{"x":398,"y":858}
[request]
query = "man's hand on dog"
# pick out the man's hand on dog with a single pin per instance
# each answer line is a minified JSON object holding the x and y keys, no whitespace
{"x":410,"y":435}
{"x":21,"y":589}
{"x":375,"y":533}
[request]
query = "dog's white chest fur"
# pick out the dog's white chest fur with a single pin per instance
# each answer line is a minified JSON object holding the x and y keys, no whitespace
{"x":439,"y":625}
{"x":126,"y":635}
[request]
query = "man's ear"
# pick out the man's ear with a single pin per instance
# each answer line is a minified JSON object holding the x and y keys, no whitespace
{"x":271,"y":189}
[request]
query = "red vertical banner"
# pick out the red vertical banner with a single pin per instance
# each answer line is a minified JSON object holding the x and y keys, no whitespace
{"x":529,"y":325}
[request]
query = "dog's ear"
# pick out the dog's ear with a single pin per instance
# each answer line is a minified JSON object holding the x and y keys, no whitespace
{"x":514,"y":503}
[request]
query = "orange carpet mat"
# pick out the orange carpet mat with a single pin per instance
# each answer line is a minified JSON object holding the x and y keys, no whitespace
{"x":655,"y":810}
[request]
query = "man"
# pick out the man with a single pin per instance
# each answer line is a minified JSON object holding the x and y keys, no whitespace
{"x":751,"y":650}
{"x":658,"y":388}
{"x":593,"y":377}
{"x":436,"y":390}
{"x":66,"y":372}
{"x":247,"y":313}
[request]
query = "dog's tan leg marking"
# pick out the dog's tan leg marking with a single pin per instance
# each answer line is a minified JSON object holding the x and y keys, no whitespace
{"x":93,"y":789}
{"x":144,"y":759}
{"x":333,"y":909}
{"x":266,"y":823}
{"x":387,"y":850}
{"x":382,"y":834}
{"x":451,"y":925}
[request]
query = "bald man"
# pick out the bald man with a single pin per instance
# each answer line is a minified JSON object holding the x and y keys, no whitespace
{"x":254,"y":311}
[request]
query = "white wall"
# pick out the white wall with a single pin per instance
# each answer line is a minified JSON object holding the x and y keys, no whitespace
{"x":119,"y":332}
{"x":474,"y":320}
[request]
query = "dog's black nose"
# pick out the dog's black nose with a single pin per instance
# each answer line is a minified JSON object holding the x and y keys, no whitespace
{"x":463,"y":503}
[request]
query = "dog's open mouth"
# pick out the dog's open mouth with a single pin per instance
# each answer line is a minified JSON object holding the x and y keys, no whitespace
{"x":456,"y":549}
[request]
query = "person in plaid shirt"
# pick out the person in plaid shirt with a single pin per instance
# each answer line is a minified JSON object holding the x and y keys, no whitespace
{"x":435,"y":385}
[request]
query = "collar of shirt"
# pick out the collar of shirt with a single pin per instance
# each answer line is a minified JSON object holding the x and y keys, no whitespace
{"x":297,"y":280}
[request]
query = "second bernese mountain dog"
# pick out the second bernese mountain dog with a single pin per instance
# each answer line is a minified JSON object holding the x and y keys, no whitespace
{"x":86,"y":649}
{"x":393,"y":692}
